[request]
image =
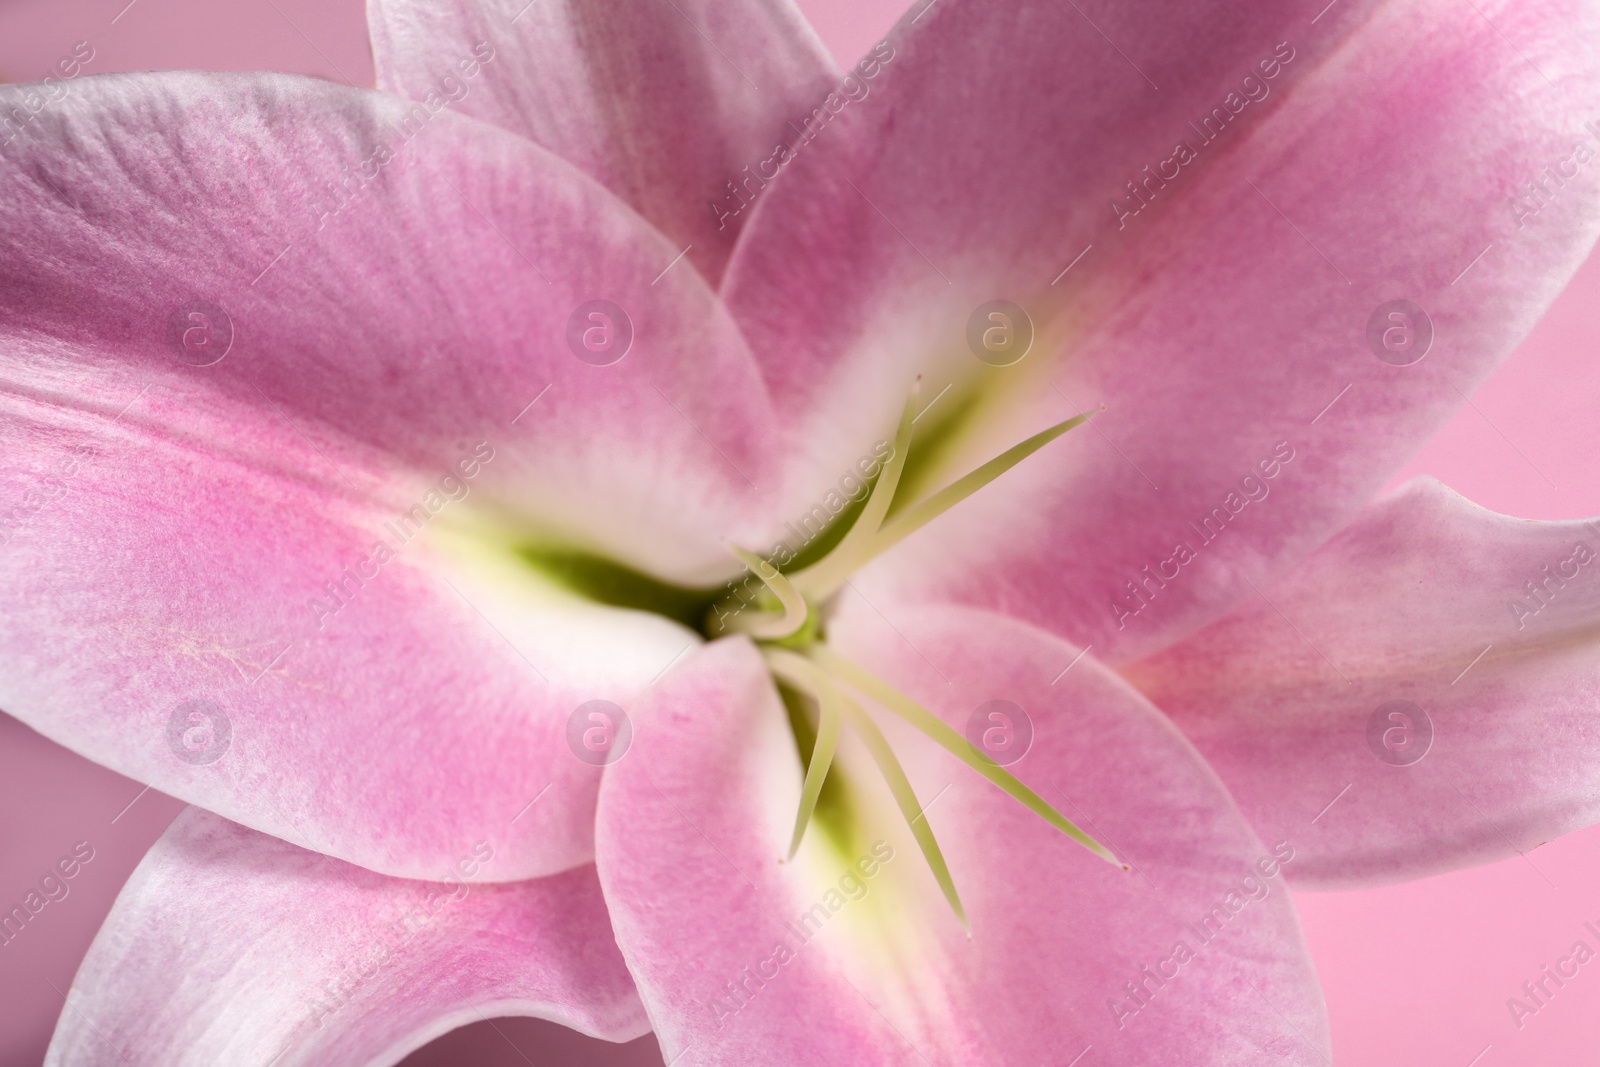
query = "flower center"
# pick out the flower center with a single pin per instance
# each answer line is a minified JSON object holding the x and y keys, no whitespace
{"x":780,"y":612}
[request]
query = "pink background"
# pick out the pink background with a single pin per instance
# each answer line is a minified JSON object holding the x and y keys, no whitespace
{"x":1414,"y":974}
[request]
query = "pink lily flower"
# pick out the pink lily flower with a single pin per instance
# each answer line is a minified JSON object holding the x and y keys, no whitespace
{"x":592,"y":529}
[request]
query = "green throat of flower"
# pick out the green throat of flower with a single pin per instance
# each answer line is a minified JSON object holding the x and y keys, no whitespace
{"x":783,"y":619}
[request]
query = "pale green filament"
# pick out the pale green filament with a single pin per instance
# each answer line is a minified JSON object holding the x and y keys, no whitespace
{"x":764,"y":625}
{"x":924,"y":511}
{"x":906,"y":798}
{"x":828,"y":573}
{"x":935,"y":728}
{"x":806,"y":677}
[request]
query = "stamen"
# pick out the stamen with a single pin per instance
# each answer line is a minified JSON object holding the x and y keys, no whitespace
{"x":829,"y":572}
{"x":895,"y":776}
{"x":804,"y":676}
{"x":930,"y":724}
{"x":919,"y":514}
{"x":792,"y":647}
{"x":764,"y":625}
{"x":817,"y":684}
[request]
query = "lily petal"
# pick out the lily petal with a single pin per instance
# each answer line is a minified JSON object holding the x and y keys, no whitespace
{"x":848,"y":953}
{"x":1383,"y":161}
{"x":176,"y":533}
{"x":228,"y":946}
{"x":671,"y":104}
{"x":430,"y":304}
{"x":1417,"y":696}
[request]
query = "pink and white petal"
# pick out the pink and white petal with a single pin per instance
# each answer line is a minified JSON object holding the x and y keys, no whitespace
{"x":693,"y":823}
{"x":1226,"y":316}
{"x":171,"y":529}
{"x":372,"y":696}
{"x":665,"y":102}
{"x":228,"y":946}
{"x":1417,"y":696}
{"x":426,"y":307}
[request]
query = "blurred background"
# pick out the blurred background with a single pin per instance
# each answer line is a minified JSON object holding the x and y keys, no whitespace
{"x":1415,"y":974}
